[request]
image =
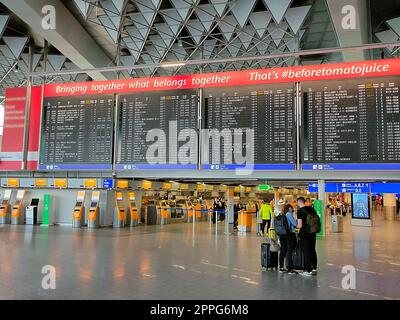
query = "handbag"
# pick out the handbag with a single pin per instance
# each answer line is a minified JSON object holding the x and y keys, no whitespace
{"x":272,"y":233}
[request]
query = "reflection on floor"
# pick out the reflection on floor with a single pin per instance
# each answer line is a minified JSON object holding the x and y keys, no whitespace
{"x":182,"y":261}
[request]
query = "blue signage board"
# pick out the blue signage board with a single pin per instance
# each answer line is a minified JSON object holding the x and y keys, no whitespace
{"x":358,"y":187}
{"x":256,"y":166}
{"x":354,"y":187}
{"x":350,"y":166}
{"x":385,"y":187}
{"x":329,"y":187}
{"x":107,"y":183}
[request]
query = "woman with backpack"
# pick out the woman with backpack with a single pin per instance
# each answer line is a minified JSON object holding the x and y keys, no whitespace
{"x":285,"y":224}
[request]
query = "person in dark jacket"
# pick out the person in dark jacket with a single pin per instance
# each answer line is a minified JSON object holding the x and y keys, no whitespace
{"x":307,"y":240}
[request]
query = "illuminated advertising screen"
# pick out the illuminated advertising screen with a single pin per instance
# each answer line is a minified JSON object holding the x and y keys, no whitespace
{"x":360,"y":206}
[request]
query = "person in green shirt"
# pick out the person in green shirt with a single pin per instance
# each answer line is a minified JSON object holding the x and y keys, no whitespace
{"x":265,"y":212}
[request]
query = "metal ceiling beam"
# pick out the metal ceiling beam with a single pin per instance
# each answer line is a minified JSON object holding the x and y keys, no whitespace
{"x":69,"y":37}
{"x":226,"y":60}
{"x":347,"y":36}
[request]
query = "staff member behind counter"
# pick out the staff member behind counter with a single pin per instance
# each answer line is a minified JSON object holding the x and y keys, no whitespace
{"x":218,"y":208}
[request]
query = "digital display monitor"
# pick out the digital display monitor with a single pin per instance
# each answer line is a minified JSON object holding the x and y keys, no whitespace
{"x":158,"y":130}
{"x":77,"y":133}
{"x":4,"y":202}
{"x":249,"y":127}
{"x":93,"y":204}
{"x":360,"y":206}
{"x":78,"y":204}
{"x":351,"y":125}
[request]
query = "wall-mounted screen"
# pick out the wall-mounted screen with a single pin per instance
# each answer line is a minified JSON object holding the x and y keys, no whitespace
{"x":251,"y":127}
{"x":351,"y":125}
{"x":360,"y":206}
{"x":77,"y":133}
{"x":158,"y":130}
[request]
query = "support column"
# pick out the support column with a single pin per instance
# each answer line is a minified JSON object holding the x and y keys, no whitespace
{"x":27,"y":109}
{"x":389,"y":206}
{"x":138,"y":198}
{"x":319,"y":206}
{"x":321,"y":190}
{"x":229,"y":210}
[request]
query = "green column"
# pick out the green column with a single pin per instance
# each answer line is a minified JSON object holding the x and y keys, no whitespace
{"x":46,"y":210}
{"x":319,"y":207}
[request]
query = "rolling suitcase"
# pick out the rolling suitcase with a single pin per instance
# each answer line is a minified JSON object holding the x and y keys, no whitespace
{"x":268,"y":259}
{"x":298,"y":258}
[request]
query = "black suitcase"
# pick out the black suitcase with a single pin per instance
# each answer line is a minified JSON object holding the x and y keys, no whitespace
{"x":268,"y":259}
{"x":298,"y":258}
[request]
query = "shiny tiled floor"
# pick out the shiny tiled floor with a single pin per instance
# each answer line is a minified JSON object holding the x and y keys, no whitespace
{"x":179,"y":261}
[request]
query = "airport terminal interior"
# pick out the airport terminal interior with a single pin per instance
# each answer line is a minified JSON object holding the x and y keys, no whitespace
{"x":159,"y":149}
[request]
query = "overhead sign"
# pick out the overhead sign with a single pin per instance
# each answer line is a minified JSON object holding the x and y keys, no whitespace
{"x":265,"y":187}
{"x":13,"y":182}
{"x":108,"y":183}
{"x":358,"y":187}
{"x":347,"y":70}
{"x":60,"y":183}
{"x":40,"y":182}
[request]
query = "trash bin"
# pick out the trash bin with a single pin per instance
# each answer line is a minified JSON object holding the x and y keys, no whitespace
{"x":337,"y":223}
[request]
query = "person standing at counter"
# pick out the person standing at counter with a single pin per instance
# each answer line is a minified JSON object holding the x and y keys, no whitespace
{"x":266,"y":213}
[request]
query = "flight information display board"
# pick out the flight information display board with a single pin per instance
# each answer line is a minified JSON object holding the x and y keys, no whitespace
{"x":158,"y":130}
{"x":252,"y":127}
{"x":77,"y":133}
{"x":351,"y":125}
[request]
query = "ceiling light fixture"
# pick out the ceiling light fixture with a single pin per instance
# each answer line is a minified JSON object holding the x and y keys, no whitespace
{"x":173,"y":64}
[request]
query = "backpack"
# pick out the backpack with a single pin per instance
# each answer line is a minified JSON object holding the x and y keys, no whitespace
{"x":313,"y":222}
{"x":281,"y":225}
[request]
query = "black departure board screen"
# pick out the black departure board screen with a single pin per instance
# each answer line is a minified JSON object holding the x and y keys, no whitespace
{"x":158,"y":130}
{"x":77,"y":133}
{"x":252,"y":127}
{"x":351,"y":125}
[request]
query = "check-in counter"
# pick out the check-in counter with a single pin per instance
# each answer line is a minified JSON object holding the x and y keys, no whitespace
{"x":78,"y":213}
{"x":94,"y":211}
{"x":245,"y":220}
{"x":17,"y":214}
{"x":4,"y":207}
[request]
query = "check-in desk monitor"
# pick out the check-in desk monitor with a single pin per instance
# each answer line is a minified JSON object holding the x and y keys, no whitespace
{"x":17,"y":216}
{"x":94,"y":211}
{"x":5,"y":204}
{"x":120,"y":212}
{"x":78,"y":215}
{"x":133,"y":210}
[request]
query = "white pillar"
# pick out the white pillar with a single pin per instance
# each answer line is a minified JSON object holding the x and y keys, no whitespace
{"x":229,"y":209}
{"x":389,"y":206}
{"x":138,"y":198}
{"x":321,"y":190}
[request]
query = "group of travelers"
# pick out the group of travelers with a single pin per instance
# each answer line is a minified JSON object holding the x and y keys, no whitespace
{"x":296,"y":231}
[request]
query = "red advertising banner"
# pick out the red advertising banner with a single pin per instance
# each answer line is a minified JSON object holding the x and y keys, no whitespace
{"x":11,"y":155}
{"x":348,"y":70}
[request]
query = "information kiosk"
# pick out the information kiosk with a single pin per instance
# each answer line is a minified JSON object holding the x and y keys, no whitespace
{"x":119,"y":211}
{"x":133,"y":209}
{"x":31,"y":212}
{"x":5,"y":204}
{"x":78,"y":215}
{"x":17,"y":215}
{"x":94,"y":211}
